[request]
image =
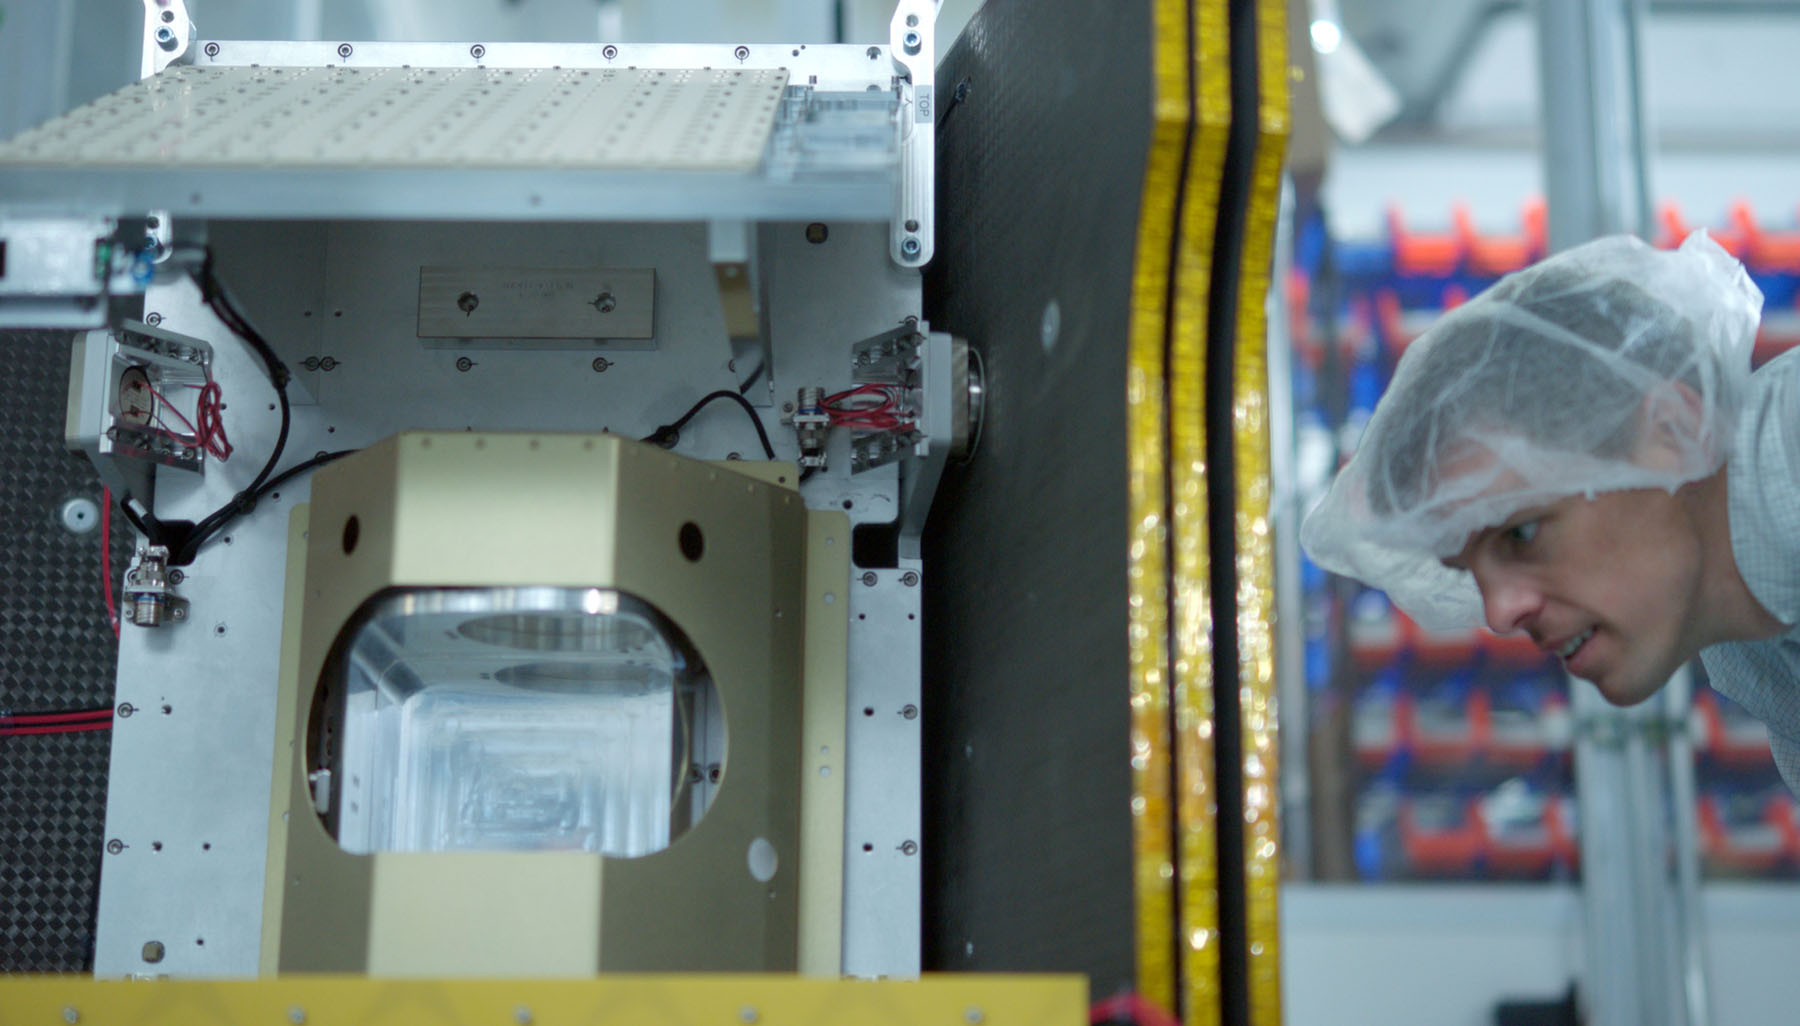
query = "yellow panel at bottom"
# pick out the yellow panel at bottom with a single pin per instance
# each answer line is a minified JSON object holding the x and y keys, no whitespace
{"x":662,"y":1000}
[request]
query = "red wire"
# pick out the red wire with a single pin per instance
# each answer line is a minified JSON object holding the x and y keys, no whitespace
{"x":47,"y":719}
{"x":209,"y":410}
{"x":112,"y":612}
{"x":65,"y":728}
{"x":163,"y":403}
{"x":1130,"y":1008}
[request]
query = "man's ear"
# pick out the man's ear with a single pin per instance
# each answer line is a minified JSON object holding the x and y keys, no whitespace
{"x":1671,"y":421}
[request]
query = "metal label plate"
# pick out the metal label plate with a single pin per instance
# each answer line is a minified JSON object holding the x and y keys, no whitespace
{"x":536,"y":303}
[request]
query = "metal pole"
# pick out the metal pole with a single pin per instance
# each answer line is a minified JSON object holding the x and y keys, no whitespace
{"x":1644,"y":962}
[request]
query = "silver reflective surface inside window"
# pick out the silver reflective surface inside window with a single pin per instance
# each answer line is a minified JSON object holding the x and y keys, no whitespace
{"x":555,"y":719}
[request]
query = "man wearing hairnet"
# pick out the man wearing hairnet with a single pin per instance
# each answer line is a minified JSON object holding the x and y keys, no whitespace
{"x":1581,"y":453}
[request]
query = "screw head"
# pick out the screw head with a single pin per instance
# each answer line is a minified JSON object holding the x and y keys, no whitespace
{"x":212,"y":49}
{"x":874,"y":52}
{"x":478,"y":51}
{"x":910,"y":247}
{"x":605,"y":302}
{"x":609,"y":52}
{"x":463,"y":363}
{"x":115,"y":846}
{"x":176,"y":576}
{"x":742,"y":52}
{"x":153,"y":319}
{"x":909,"y":578}
{"x":909,"y":712}
{"x":125,"y":710}
{"x":153,"y":951}
{"x":912,"y":43}
{"x":817,"y":232}
{"x":909,"y":847}
{"x":345,"y":49}
{"x":328,"y":364}
{"x":178,"y":613}
{"x":868,"y":578}
{"x":601,"y":363}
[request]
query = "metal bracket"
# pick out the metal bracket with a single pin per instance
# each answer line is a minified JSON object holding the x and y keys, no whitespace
{"x":731,"y":247}
{"x":111,"y":423}
{"x":168,"y":34}
{"x":62,"y":272}
{"x":912,"y":44}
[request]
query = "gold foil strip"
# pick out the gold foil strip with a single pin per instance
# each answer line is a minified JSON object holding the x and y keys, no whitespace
{"x":1255,"y":543}
{"x":1153,"y":855}
{"x":1196,"y":789}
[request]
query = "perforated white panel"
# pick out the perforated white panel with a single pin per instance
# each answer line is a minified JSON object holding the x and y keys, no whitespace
{"x":349,"y":117}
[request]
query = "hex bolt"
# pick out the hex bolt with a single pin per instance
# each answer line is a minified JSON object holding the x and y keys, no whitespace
{"x":742,"y":53}
{"x":868,"y":578}
{"x":153,"y":319}
{"x":909,"y":578}
{"x":609,"y":52}
{"x":115,"y":846}
{"x":601,"y":363}
{"x":125,"y":710}
{"x":909,"y":847}
{"x":212,"y":49}
{"x":153,"y":951}
{"x":345,"y":49}
{"x":478,"y":51}
{"x":909,"y":712}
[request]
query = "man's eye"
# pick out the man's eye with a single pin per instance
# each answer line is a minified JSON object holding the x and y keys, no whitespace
{"x":1522,"y":533}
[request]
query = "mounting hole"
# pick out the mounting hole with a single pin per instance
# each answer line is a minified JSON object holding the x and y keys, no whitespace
{"x":352,"y":532}
{"x":762,"y":860}
{"x":848,"y":504}
{"x":868,"y":710}
{"x":156,"y":846}
{"x":868,"y":847}
{"x":693,"y":543}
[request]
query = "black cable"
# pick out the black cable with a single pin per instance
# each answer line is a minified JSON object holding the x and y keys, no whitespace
{"x":669,"y":434}
{"x":213,"y":293}
{"x":744,"y":389}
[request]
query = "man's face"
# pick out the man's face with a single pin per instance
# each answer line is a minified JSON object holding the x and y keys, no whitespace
{"x":1610,"y":585}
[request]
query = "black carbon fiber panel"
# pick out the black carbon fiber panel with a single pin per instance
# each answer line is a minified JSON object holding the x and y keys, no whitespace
{"x":56,"y":652}
{"x":1044,"y":128}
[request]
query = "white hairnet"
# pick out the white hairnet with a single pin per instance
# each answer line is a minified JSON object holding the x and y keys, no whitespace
{"x":1540,"y":388}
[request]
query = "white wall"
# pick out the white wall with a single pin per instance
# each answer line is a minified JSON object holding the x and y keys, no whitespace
{"x":1427,"y":955}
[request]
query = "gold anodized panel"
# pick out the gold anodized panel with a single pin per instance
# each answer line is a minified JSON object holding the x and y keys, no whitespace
{"x":439,"y":509}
